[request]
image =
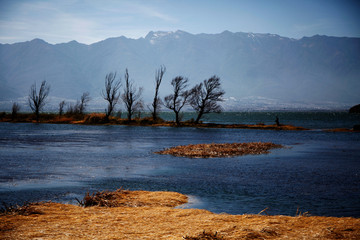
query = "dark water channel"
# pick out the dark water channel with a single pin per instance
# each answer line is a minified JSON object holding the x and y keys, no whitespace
{"x":318,"y":172}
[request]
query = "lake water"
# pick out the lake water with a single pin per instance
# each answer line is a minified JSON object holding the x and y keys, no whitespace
{"x":318,"y":171}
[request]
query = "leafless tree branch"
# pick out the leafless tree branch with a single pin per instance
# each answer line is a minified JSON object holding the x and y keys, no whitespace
{"x":111,"y":93}
{"x":84,"y":100}
{"x":205,"y":97}
{"x":179,"y":98}
{"x":61,"y":107}
{"x":37,"y":101}
{"x":131,"y":96}
{"x":156,"y":105}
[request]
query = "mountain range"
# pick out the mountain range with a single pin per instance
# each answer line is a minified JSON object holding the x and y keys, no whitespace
{"x":258,"y":71}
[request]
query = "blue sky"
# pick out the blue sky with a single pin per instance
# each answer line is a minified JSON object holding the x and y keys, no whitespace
{"x":89,"y":21}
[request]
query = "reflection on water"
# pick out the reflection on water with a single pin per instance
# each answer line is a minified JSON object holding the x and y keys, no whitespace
{"x":319,"y":173}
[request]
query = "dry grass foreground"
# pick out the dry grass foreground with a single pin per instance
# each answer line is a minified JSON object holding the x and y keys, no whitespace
{"x":220,"y":149}
{"x":150,"y":215}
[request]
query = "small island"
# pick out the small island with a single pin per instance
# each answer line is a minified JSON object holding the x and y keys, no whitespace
{"x":220,"y":149}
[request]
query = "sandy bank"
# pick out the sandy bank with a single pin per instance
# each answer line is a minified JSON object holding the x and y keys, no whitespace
{"x":162,"y":221}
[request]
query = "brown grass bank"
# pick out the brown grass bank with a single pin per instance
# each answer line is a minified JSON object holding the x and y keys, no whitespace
{"x":100,"y":119}
{"x":155,"y":218}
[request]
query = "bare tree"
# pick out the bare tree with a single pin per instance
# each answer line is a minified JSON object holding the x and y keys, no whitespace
{"x":131,"y":96}
{"x":14,"y":110}
{"x":179,"y":98}
{"x":205,"y":97}
{"x":111,"y":93}
{"x":73,"y":109}
{"x":79,"y":107}
{"x":84,"y":100}
{"x":37,"y":101}
{"x":61,"y":107}
{"x":156,"y":105}
{"x":139,"y":108}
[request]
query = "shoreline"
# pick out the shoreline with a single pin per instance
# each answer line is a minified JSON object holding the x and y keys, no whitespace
{"x":99,"y":119}
{"x":157,"y":218}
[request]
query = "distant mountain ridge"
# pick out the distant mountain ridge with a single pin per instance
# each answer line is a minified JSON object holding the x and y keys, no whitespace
{"x":318,"y":69}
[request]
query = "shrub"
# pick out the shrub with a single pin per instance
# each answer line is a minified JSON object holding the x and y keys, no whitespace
{"x":96,"y":118}
{"x":205,"y":236}
{"x":102,"y":199}
{"x":26,"y":209}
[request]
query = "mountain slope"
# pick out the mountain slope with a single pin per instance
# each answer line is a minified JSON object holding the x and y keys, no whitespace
{"x":312,"y":69}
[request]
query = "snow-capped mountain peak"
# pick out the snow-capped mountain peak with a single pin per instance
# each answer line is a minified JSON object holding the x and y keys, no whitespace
{"x":154,"y":37}
{"x":158,"y":34}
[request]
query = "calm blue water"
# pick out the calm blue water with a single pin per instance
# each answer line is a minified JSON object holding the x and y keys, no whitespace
{"x":319,"y":172}
{"x":311,"y":120}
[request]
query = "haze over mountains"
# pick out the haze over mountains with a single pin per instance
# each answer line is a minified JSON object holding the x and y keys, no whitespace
{"x":258,"y":71}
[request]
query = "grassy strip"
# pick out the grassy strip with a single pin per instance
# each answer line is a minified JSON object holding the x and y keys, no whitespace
{"x":100,"y":118}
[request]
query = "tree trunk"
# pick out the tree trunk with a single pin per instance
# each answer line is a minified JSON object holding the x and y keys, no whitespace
{"x":177,"y":118}
{"x":199,"y":117}
{"x":37,"y":115}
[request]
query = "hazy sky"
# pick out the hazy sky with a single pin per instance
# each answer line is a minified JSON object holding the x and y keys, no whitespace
{"x":89,"y":21}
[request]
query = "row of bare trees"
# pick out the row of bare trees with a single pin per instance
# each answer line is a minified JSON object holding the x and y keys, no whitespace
{"x":78,"y":108}
{"x":37,"y":100}
{"x":131,"y":95}
{"x":203,"y":97}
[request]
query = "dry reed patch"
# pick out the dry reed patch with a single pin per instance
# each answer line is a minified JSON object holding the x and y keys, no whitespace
{"x":63,"y":221}
{"x":205,"y":236}
{"x":94,"y":118}
{"x":126,"y":198}
{"x":220,"y":149}
{"x":26,"y":209}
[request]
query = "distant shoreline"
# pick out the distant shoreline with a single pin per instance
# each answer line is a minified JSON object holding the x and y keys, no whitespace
{"x":100,"y":119}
